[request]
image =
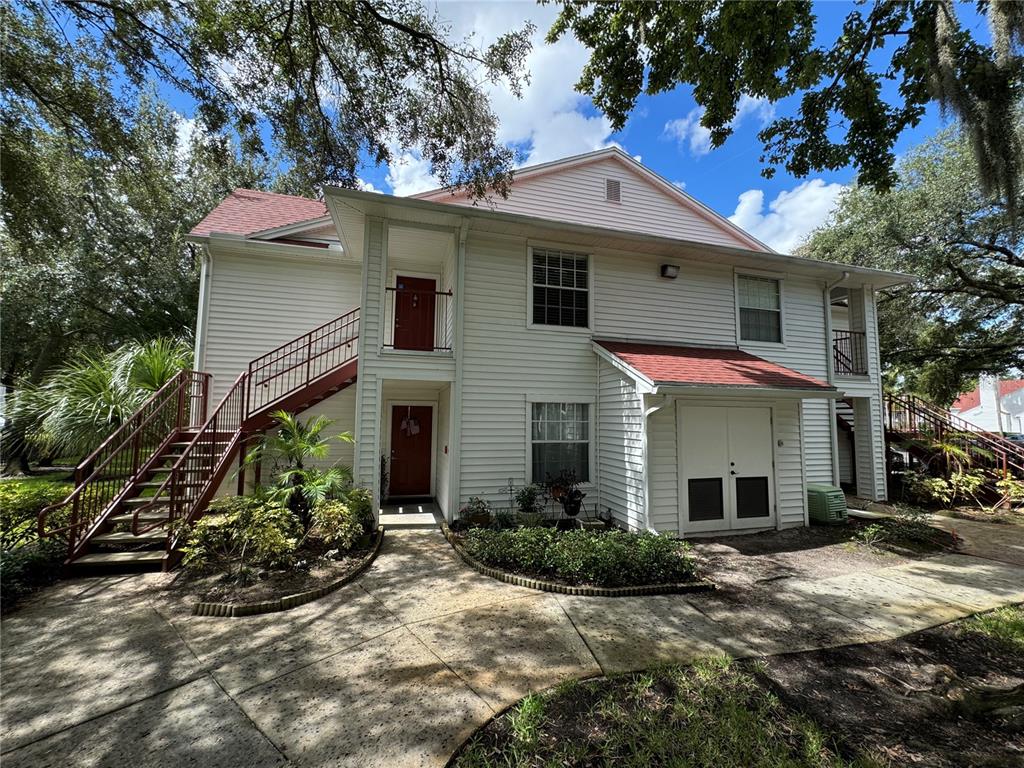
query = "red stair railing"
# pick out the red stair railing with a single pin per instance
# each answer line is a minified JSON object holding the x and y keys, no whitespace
{"x":108,"y":473}
{"x":911,"y":416}
{"x":268,"y":381}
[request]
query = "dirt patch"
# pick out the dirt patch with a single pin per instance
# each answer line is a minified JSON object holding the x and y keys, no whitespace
{"x":986,"y":515}
{"x":223,"y":586}
{"x":898,"y":699}
{"x":739,"y":563}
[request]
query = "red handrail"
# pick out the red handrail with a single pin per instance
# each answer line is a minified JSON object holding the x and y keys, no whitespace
{"x":193,"y":479}
{"x":106,"y":474}
{"x":910,"y":415}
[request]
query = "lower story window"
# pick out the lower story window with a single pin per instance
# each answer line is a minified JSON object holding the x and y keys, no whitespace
{"x":560,"y":440}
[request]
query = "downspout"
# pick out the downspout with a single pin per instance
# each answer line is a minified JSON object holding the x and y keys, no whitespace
{"x":830,"y":369}
{"x":646,"y":463}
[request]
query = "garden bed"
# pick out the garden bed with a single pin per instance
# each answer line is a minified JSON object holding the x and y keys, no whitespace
{"x":220,"y":594}
{"x":606,"y":563}
{"x":894,"y":703}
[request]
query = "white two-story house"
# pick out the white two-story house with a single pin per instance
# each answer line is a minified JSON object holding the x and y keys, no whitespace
{"x":598,"y":320}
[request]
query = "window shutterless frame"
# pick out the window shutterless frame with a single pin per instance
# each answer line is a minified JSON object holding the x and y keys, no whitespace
{"x":766,"y":276}
{"x":543,"y":248}
{"x":589,"y":404}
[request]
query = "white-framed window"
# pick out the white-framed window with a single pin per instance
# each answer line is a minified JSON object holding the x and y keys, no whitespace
{"x":760,"y":308}
{"x":559,"y":440}
{"x":559,"y":288}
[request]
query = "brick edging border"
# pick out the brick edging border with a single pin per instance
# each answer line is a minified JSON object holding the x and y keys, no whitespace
{"x":236,"y":610}
{"x":566,"y":589}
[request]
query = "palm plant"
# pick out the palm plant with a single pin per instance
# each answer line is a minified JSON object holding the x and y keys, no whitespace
{"x":77,"y":405}
{"x":290,"y":446}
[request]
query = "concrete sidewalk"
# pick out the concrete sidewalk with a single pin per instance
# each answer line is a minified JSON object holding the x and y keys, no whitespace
{"x":401,"y":666}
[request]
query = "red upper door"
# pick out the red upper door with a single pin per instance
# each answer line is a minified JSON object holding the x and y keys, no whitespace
{"x":415,"y":299}
{"x":411,"y":446}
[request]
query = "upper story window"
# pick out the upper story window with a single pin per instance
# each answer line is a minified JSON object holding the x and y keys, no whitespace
{"x":760,"y":303}
{"x":561,"y":288}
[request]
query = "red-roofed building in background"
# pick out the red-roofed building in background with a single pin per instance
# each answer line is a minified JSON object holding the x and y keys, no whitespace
{"x":995,"y":405}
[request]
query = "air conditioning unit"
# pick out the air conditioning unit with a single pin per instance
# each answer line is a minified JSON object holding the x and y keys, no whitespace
{"x":826,"y":503}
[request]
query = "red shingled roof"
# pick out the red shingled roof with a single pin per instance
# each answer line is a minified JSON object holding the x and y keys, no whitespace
{"x":245,"y":211}
{"x":972,"y":399}
{"x":709,"y":367}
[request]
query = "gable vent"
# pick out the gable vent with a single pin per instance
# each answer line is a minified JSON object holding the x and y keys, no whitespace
{"x":612,"y":190}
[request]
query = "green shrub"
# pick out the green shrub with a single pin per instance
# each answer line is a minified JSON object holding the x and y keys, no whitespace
{"x":602,"y":558}
{"x":337,"y":523}
{"x":29,"y":567}
{"x":20,"y":504}
{"x":254,"y":531}
{"x":360,"y":501}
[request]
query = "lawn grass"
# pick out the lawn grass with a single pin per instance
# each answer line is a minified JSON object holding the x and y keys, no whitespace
{"x":713,"y":713}
{"x":1005,"y":626}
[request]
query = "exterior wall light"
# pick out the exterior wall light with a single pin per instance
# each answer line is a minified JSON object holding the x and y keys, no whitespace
{"x":671,"y":271}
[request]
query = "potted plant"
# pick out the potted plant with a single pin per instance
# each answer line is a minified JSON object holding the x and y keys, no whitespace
{"x":565,"y":489}
{"x":530,"y":500}
{"x":477,"y":512}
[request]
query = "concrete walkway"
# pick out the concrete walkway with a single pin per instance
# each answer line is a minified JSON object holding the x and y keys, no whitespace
{"x":401,"y":666}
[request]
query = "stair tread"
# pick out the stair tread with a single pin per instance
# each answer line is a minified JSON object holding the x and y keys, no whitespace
{"x":141,"y":501}
{"x":127,"y":537}
{"x":100,"y":558}
{"x":150,"y":517}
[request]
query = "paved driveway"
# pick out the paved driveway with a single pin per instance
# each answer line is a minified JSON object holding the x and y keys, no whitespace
{"x":401,"y":666}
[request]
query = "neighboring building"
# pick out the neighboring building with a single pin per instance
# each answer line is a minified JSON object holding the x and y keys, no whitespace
{"x":995,"y":405}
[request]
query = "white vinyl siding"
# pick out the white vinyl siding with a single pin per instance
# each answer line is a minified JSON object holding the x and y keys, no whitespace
{"x":257,"y":303}
{"x":443,"y":448}
{"x":620,"y":427}
{"x":663,"y":470}
{"x":579,"y":195}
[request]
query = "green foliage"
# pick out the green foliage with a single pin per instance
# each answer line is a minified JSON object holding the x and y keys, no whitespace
{"x":907,"y":528}
{"x":964,"y":315}
{"x":530,"y":499}
{"x":713,"y":713}
{"x":80,"y":403}
{"x":287,"y":448}
{"x":476,"y":509}
{"x":774,"y":51}
{"x":360,"y":500}
{"x":336,"y":82}
{"x":1011,"y":489}
{"x":21,"y":502}
{"x":872,"y":535}
{"x":961,"y":486}
{"x":602,"y":558}
{"x":26,"y":568}
{"x":1005,"y":626}
{"x":337,"y":523}
{"x":251,"y":531}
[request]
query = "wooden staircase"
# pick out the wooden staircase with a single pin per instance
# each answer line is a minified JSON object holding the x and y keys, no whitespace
{"x":138,"y":494}
{"x":915,"y":424}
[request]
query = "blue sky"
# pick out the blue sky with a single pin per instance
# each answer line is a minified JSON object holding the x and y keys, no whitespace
{"x":553,"y":121}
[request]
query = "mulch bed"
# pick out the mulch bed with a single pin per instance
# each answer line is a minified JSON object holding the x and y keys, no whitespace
{"x":897,"y":698}
{"x":986,"y":515}
{"x":220,"y":586}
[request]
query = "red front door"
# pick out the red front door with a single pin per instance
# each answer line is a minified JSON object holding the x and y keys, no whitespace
{"x":414,"y":312}
{"x":411,"y":444}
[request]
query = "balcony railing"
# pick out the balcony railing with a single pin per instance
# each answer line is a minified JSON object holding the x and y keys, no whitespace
{"x":850,"y":353}
{"x":418,"y":320}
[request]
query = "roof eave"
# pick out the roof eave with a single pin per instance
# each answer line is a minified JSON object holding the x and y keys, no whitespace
{"x":739,"y":390}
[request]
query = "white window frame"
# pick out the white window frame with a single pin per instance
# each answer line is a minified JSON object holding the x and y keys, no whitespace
{"x":740,"y":341}
{"x":540,"y":246}
{"x":591,"y":441}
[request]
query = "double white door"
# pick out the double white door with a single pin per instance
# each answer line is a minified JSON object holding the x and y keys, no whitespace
{"x":726,"y":474}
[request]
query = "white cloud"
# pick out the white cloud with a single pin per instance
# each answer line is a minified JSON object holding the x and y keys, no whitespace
{"x":679,"y":184}
{"x":409,"y":174}
{"x":790,"y":217}
{"x":688,"y":130}
{"x":185,"y":130}
{"x":366,"y":186}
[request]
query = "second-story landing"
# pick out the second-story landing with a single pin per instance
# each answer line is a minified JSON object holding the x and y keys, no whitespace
{"x":851,"y":317}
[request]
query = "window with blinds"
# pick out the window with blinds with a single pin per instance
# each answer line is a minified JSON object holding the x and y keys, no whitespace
{"x":760,"y":305}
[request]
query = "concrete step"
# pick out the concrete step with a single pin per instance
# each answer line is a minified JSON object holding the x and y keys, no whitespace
{"x":417,"y":521}
{"x":148,"y":557}
{"x":127,"y":537}
{"x":148,"y":517}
